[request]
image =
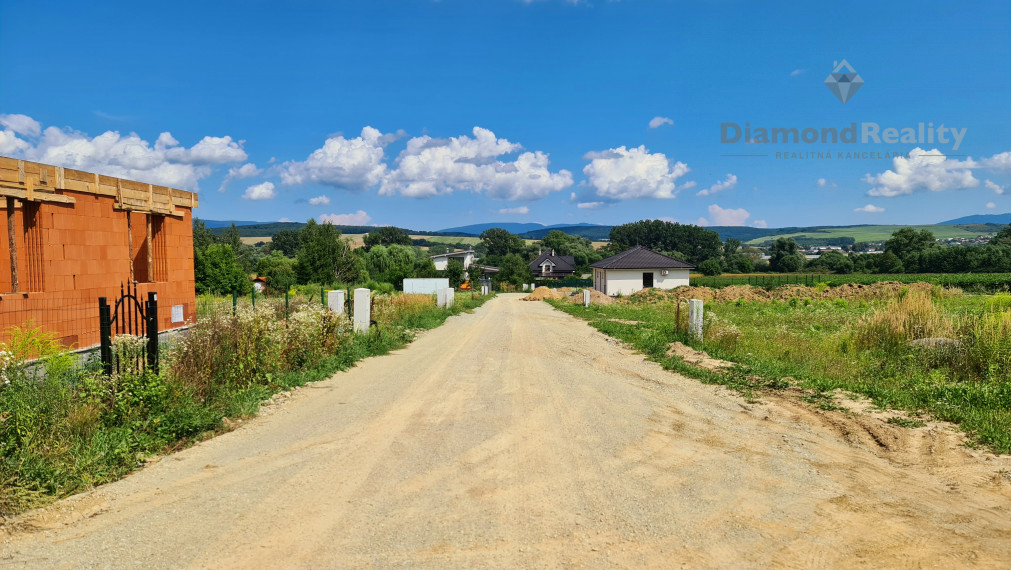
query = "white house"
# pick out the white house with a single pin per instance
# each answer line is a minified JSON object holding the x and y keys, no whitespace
{"x":636,"y":269}
{"x":441,"y":260}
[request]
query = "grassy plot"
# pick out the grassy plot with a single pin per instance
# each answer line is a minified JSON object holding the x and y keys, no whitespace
{"x":70,"y":428}
{"x":974,"y":282}
{"x":862,"y":346}
{"x":875,"y":233}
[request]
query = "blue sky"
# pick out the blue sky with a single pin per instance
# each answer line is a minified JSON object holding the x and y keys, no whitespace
{"x":435,"y":114}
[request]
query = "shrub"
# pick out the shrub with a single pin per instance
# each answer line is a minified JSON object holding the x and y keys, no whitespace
{"x":988,"y":345}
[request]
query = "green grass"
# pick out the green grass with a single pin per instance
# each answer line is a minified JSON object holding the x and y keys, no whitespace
{"x":875,"y":233}
{"x":73,"y":428}
{"x":810,"y":344}
{"x":974,"y":282}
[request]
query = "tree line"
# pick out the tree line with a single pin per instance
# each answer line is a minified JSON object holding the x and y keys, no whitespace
{"x":320,"y":254}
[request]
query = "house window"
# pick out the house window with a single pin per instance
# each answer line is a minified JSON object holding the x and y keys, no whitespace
{"x":647,"y":279}
{"x":147,"y":233}
{"x":25,"y":250}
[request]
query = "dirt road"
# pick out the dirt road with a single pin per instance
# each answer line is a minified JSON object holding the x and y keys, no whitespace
{"x":518,"y":436}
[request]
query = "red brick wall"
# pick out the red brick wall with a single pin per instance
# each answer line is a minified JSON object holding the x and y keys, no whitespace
{"x":86,"y":255}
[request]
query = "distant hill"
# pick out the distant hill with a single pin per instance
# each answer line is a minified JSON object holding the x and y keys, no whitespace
{"x":211,"y":224}
{"x":514,"y":227}
{"x":1000,"y":219}
{"x":257,"y":229}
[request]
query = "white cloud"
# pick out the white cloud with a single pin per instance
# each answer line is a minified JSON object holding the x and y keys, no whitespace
{"x":658,"y":121}
{"x":113,"y":154}
{"x":726,"y":184}
{"x":826,"y":183}
{"x":247,"y":170}
{"x":1000,"y":161}
{"x":760,"y":224}
{"x":432,"y":167}
{"x":725,"y":217}
{"x":210,"y":150}
{"x":869,"y":209}
{"x":589,"y":205}
{"x":990,"y":184}
{"x":263,"y":191}
{"x":622,"y":173}
{"x":284,"y":220}
{"x":322,"y":200}
{"x":517,"y":210}
{"x":21,"y":124}
{"x":359,"y":218}
{"x":928,"y":170}
{"x":991,"y":206}
{"x":797,"y":72}
{"x":350,"y":164}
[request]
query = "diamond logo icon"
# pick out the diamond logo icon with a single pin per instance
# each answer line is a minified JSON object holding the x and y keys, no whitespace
{"x":844,"y":81}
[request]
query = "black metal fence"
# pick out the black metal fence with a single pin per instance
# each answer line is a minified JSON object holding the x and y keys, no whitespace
{"x":129,"y":316}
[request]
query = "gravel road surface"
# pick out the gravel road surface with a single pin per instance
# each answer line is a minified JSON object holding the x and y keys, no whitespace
{"x":518,"y":436}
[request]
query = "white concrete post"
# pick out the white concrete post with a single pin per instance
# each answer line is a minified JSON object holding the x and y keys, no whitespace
{"x":695,"y":318}
{"x":440,"y":297}
{"x":533,"y":286}
{"x":363,"y":309}
{"x":526,"y":286}
{"x":586,"y":297}
{"x":335,"y":300}
{"x":450,"y":297}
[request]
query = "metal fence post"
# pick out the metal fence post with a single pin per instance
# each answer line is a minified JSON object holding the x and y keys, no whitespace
{"x":105,"y":332}
{"x":151,"y":312}
{"x":286,"y":304}
{"x":235,"y":301}
{"x":322,"y":297}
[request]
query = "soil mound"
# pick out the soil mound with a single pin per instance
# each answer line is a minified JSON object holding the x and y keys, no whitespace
{"x":541,"y":293}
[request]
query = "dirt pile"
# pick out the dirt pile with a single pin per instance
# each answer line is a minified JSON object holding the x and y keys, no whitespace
{"x":596,"y":298}
{"x":850,"y":291}
{"x":697,"y":358}
{"x":541,"y":293}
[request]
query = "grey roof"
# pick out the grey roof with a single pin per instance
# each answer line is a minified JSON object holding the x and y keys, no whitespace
{"x":641,"y":258}
{"x":562,"y":262}
{"x":462,"y":253}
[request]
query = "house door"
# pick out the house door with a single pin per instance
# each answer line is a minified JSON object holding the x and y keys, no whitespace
{"x":647,"y":280}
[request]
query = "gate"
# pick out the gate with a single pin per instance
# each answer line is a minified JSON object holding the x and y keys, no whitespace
{"x":129,"y":316}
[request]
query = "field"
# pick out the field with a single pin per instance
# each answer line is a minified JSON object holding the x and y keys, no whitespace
{"x":854,"y":339}
{"x":972,"y":282}
{"x":876,"y":233}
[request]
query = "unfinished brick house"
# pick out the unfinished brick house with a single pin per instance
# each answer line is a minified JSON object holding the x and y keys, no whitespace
{"x":75,"y":236}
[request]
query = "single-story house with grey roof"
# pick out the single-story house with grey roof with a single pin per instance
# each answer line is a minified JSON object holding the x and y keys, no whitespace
{"x":637,"y":269}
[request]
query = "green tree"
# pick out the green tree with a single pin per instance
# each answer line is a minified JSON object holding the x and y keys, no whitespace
{"x":500,"y":242}
{"x":279,"y":271}
{"x":325,"y":257}
{"x":785,"y":257}
{"x":232,"y":237}
{"x":425,"y":267}
{"x":833,"y":261}
{"x":391,"y":264}
{"x":202,"y":237}
{"x":580,"y":248}
{"x":387,"y":235}
{"x":513,"y":269}
{"x":1003,"y":237}
{"x":286,"y":241}
{"x":692,"y":243}
{"x":711,"y":267}
{"x":908,"y":241}
{"x":454,"y":271}
{"x":218,"y":271}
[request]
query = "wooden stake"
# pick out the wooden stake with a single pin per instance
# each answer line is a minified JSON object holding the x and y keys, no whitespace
{"x":13,"y":244}
{"x":129,"y":238}
{"x":150,"y":252}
